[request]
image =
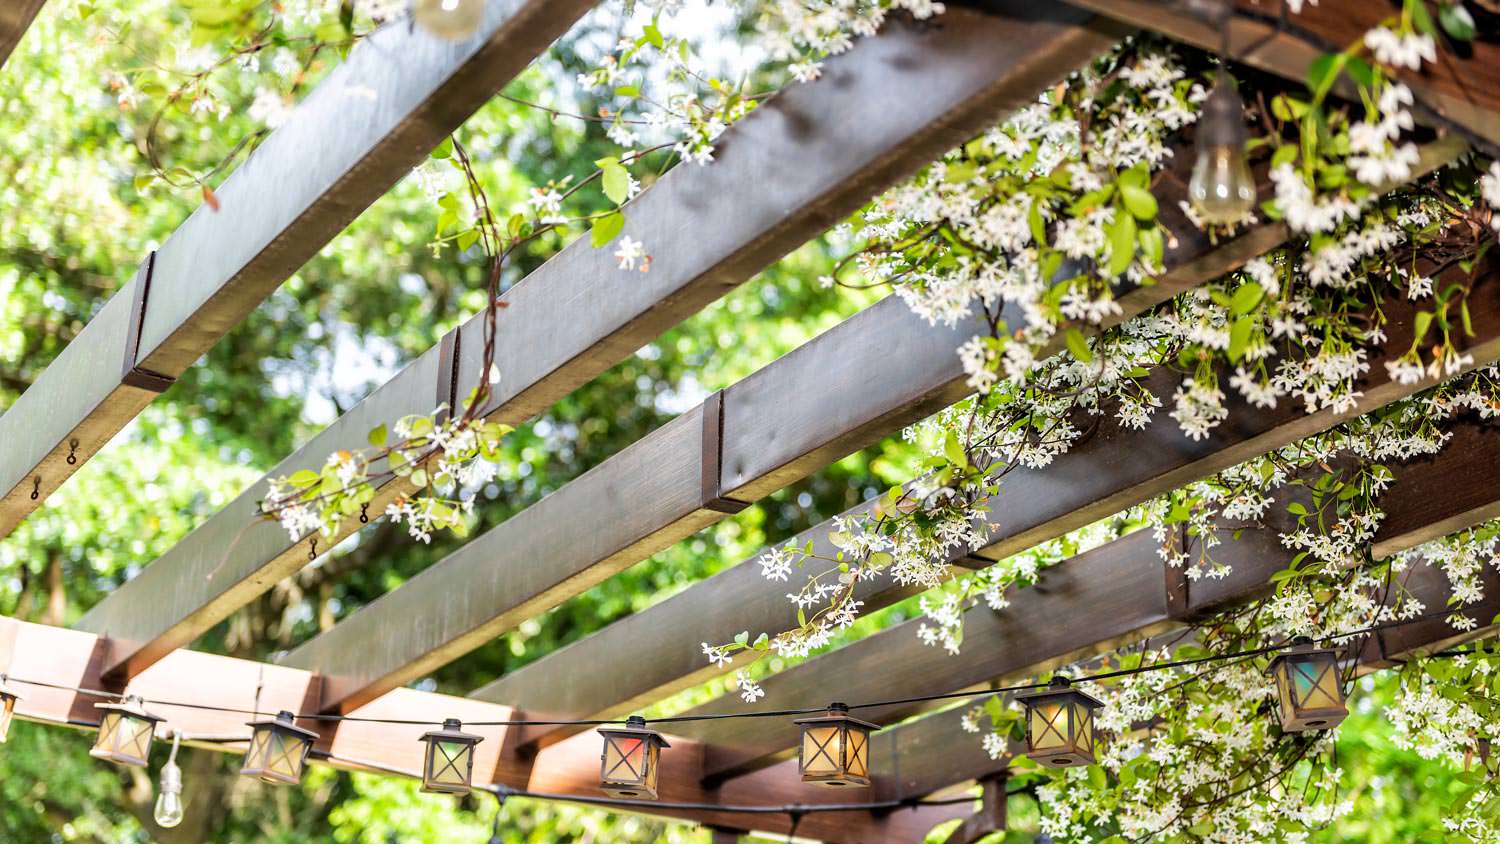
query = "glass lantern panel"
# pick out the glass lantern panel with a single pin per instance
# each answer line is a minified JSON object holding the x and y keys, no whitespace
{"x":134,"y":736}
{"x":1316,"y":683}
{"x":1049,"y":726}
{"x":1284,"y":690}
{"x":1083,"y":718}
{"x":624,"y":759}
{"x":822,"y":749}
{"x":648,"y":775}
{"x":286,"y":755}
{"x":109,"y":723}
{"x":859,"y":753}
{"x":7,"y":712}
{"x":450,"y":763}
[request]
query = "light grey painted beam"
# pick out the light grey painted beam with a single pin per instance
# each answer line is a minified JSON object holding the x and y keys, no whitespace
{"x":818,"y":151}
{"x":396,"y":96}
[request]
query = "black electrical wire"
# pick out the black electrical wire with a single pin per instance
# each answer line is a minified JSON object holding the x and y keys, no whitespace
{"x":783,"y":713}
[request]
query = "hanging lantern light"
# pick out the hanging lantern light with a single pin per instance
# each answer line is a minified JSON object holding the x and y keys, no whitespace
{"x":835,"y":749}
{"x":8,"y":700}
{"x":278,"y":750}
{"x":628,"y":766}
{"x":1060,"y":724}
{"x":450,"y":759}
{"x":1309,"y":687}
{"x":1221,"y":188}
{"x":125,"y":733}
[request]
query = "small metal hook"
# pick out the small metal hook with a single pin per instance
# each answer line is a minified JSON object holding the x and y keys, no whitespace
{"x":73,"y":452}
{"x":36,"y":487}
{"x":364,"y":514}
{"x":312,"y":549}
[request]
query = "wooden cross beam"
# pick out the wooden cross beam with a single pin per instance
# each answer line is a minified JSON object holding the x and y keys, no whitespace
{"x":358,"y":133}
{"x":814,"y":154}
{"x":39,"y":653}
{"x":1115,"y":468}
{"x":15,"y":18}
{"x":741,"y":445}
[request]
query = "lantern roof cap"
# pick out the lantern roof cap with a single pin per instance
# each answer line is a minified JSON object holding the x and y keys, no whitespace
{"x":285,"y":722}
{"x":452,"y":731}
{"x":635,"y":726}
{"x":1060,"y":686}
{"x":837,"y":713}
{"x":1301,"y":646}
{"x":133,"y":706}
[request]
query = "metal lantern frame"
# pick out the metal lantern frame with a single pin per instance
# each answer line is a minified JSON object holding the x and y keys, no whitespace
{"x":8,"y":700}
{"x":1309,"y":687}
{"x":278,"y":750}
{"x":1060,"y":724}
{"x":126,"y":731}
{"x":631,"y":760}
{"x":449,"y":764}
{"x":834,"y":750}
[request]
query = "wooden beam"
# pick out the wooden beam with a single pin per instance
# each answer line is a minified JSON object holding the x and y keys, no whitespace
{"x":655,"y":493}
{"x":815,"y":153}
{"x":990,"y":818}
{"x":1465,"y":91}
{"x":1121,"y":586}
{"x":65,"y":657}
{"x":354,"y":136}
{"x":15,"y":18}
{"x":1115,"y":468}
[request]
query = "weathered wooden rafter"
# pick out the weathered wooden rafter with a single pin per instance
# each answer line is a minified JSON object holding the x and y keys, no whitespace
{"x":354,"y":136}
{"x":743,"y":443}
{"x":818,"y":151}
{"x":15,"y":19}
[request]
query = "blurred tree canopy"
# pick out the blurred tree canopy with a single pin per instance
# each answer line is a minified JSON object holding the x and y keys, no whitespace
{"x":78,"y":221}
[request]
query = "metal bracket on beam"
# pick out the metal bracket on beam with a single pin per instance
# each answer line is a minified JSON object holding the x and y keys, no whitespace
{"x":713,"y":496}
{"x":131,"y":374}
{"x":447,"y":380}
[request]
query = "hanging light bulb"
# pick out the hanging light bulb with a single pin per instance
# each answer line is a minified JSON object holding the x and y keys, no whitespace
{"x":454,"y":20}
{"x":8,"y":699}
{"x":169,"y":809}
{"x":1222,"y":188}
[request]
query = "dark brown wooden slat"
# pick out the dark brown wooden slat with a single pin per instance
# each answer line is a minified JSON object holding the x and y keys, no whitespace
{"x":1114,"y":469}
{"x":1116,"y":595}
{"x":336,"y":155}
{"x":1465,"y":91}
{"x":961,"y":75}
{"x":15,"y":18}
{"x":707,"y":234}
{"x":72,"y":658}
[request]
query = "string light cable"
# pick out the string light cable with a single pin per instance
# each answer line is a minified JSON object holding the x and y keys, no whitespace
{"x":1250,"y":653}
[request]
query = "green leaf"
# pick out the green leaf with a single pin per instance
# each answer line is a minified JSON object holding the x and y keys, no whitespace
{"x":378,"y":435}
{"x":304,"y":478}
{"x":1246,"y":298}
{"x":1420,"y":18}
{"x":653,"y":35}
{"x":419,"y":477}
{"x":1037,"y":224}
{"x":1239,"y":337}
{"x":466,"y":239}
{"x":606,"y":228}
{"x":1456,"y":21}
{"x":444,"y":149}
{"x":1121,"y":243}
{"x":1138,"y":201}
{"x":1424,"y":323}
{"x":954,"y":451}
{"x":1322,"y":71}
{"x":616,"y":180}
{"x":631,"y":91}
{"x":1360,"y":71}
{"x":1078,"y":345}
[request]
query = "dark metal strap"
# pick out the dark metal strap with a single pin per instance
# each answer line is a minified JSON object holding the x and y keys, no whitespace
{"x":1176,"y":580}
{"x":713,"y":496}
{"x":131,"y":374}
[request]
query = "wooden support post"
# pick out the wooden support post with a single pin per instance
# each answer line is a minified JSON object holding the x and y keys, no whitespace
{"x":990,"y":818}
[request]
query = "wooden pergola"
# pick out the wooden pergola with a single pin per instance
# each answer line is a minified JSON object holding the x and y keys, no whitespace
{"x":813,"y":154}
